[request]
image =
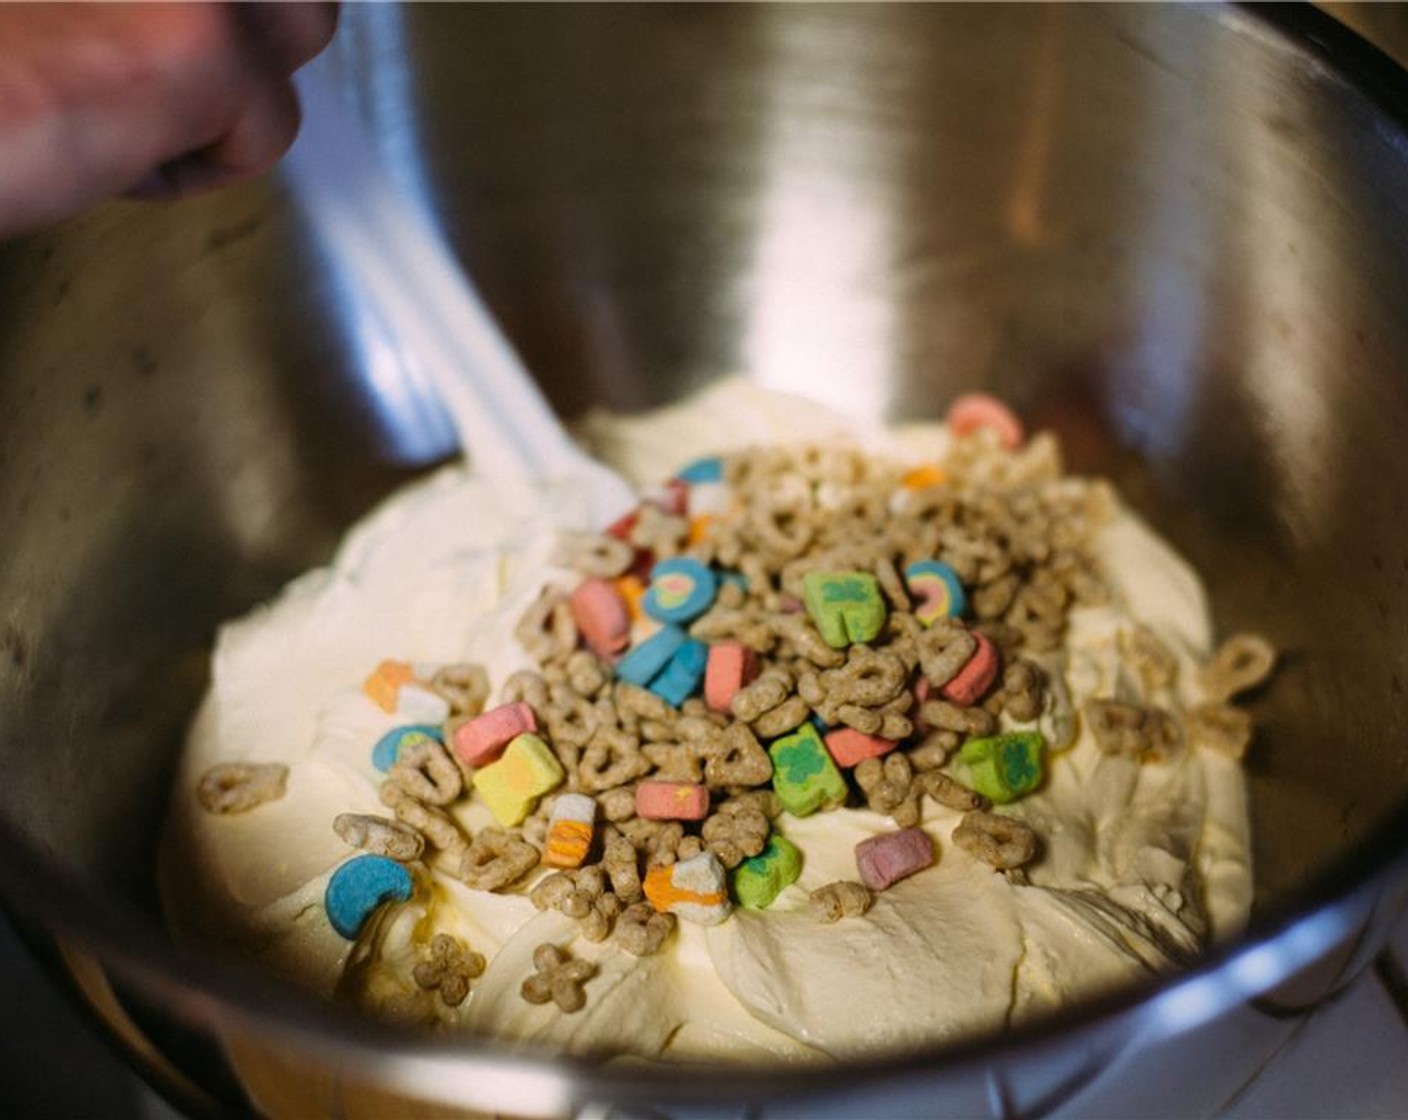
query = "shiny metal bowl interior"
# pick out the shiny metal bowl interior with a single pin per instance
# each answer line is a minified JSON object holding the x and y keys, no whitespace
{"x":1177,"y":236}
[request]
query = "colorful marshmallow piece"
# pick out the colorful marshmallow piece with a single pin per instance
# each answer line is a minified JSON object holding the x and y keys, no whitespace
{"x":479,"y":741}
{"x":416,"y":702}
{"x":388,"y":747}
{"x":732,"y":665}
{"x":758,"y":881}
{"x":936,"y":589}
{"x":694,"y":889}
{"x":972,"y":681}
{"x":849,"y":747}
{"x":846,"y":606}
{"x":709,"y":469}
{"x":383,"y":686}
{"x":571,"y":824}
{"x":359,"y":887}
{"x":972,"y":411}
{"x":804,"y":777}
{"x":730,"y":575}
{"x":884,"y":860}
{"x":710,"y":499}
{"x":672,"y":801}
{"x":1004,"y":767}
{"x":681,"y":589}
{"x":622,"y":526}
{"x":646,"y":661}
{"x":924,"y":476}
{"x":682,"y":676}
{"x":512,"y":785}
{"x":671,"y":498}
{"x":602,"y":616}
{"x":631,"y":588}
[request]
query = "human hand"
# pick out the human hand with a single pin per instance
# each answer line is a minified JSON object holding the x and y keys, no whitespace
{"x":152,"y":100}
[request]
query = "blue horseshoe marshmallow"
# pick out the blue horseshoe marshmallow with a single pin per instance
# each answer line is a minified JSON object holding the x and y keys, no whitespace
{"x":359,"y":886}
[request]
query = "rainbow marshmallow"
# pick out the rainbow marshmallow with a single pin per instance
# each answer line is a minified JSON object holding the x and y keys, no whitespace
{"x":937,"y":590}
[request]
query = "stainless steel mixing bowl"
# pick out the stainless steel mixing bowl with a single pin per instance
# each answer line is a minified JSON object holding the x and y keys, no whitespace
{"x":1177,"y":236}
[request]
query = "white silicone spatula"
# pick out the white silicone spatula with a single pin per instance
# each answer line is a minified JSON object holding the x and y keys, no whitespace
{"x":400,"y":265}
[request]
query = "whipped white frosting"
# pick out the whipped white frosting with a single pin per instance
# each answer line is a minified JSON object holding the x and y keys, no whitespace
{"x":1142,"y":864}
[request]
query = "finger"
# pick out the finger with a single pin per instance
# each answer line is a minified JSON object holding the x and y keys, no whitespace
{"x":262,"y":129}
{"x":289,"y":34}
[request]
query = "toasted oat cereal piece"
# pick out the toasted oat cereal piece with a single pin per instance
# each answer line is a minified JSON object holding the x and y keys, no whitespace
{"x":1000,"y":841}
{"x":949,"y":792}
{"x":885,"y":859}
{"x":237,"y":787}
{"x":379,"y":836}
{"x":448,"y":967}
{"x":547,"y":629}
{"x":765,"y":692}
{"x":359,"y":887}
{"x":842,"y":899}
{"x":496,"y":859}
{"x":1132,"y":730}
{"x":621,"y":863}
{"x":558,"y":978}
{"x":425,"y":771}
{"x":785,"y":717}
{"x":388,"y":748}
{"x":1152,"y":659}
{"x":675,"y":762}
{"x":889,"y":787}
{"x":642,"y":930}
{"x":672,"y":801}
{"x":739,"y":830}
{"x":736,"y":758}
{"x":1242,"y":662}
{"x":945,"y":648}
{"x":612,"y":758}
{"x":659,"y":532}
{"x":437,"y":826}
{"x":464,"y":687}
{"x":803,"y":638}
{"x":1221,"y":728}
{"x":592,"y":554}
{"x":481,"y":740}
{"x":933,"y":751}
{"x":525,"y":686}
